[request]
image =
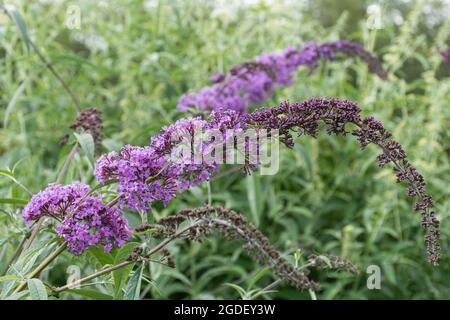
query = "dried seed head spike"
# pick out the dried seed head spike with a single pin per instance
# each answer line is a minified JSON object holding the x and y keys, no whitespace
{"x":233,"y":225}
{"x":90,"y":120}
{"x":337,"y":263}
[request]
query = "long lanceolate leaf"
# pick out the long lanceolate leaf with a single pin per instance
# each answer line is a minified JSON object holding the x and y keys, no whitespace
{"x":10,"y":175}
{"x":133,"y":287}
{"x":15,"y":15}
{"x":13,"y":101}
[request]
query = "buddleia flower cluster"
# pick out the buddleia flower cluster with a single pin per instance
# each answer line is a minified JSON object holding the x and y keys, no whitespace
{"x":159,"y":171}
{"x":85,"y":221}
{"x":254,"y":82}
{"x":152,"y":173}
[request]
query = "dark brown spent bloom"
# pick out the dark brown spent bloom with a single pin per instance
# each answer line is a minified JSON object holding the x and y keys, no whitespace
{"x":305,"y":117}
{"x":337,"y":263}
{"x":90,"y":120}
{"x":233,"y":225}
{"x":135,"y":254}
{"x":146,"y":226}
{"x":247,"y":68}
{"x":167,"y":258}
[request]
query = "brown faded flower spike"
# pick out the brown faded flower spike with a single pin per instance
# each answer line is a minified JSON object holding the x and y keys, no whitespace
{"x":233,"y":225}
{"x":306,"y":117}
{"x":90,"y":120}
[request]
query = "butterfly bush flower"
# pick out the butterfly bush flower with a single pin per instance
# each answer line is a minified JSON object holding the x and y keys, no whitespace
{"x":255,"y":81}
{"x":85,"y":220}
{"x":306,"y":117}
{"x":94,"y":223}
{"x":55,"y":201}
{"x":147,"y":174}
{"x":159,"y":171}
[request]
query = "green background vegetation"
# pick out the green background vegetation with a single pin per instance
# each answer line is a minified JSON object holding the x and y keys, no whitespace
{"x":134,"y":59}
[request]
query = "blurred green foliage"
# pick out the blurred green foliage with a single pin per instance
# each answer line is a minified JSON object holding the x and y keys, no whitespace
{"x":134,"y":59}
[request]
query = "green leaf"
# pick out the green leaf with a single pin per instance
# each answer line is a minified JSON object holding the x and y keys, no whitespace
{"x":12,"y":177}
{"x":254,"y":197}
{"x":133,"y":287}
{"x":9,"y":277}
{"x":87,"y":144}
{"x":239,"y":289}
{"x":121,"y":275}
{"x":102,"y":256}
{"x":16,"y":16}
{"x":13,"y":102}
{"x":91,"y":294}
{"x":37,"y":289}
{"x":257,"y":276}
{"x":13,"y":201}
{"x":17,"y":295}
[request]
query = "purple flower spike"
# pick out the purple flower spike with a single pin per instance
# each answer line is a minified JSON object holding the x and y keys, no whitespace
{"x":159,"y":171}
{"x":254,"y":82}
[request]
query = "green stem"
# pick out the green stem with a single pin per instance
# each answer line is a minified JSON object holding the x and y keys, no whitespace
{"x":122,"y":264}
{"x":66,"y":164}
{"x":57,"y":76}
{"x":312,"y":294}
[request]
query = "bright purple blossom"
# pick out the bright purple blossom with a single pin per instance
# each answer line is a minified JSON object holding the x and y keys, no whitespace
{"x":255,"y":81}
{"x":94,"y":223}
{"x":162,"y":169}
{"x":55,"y":201}
{"x":85,"y":220}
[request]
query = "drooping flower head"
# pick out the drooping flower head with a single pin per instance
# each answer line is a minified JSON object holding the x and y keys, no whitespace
{"x":305,"y":118}
{"x":147,"y":174}
{"x":254,"y":82}
{"x":94,"y":223}
{"x":85,"y":220}
{"x":160,"y":170}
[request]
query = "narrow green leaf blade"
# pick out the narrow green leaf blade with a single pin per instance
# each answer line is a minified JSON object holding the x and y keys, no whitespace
{"x":91,"y":294}
{"x":87,"y":144}
{"x":121,"y":275}
{"x":13,"y":102}
{"x":9,"y":277}
{"x":13,"y":201}
{"x":133,"y":287}
{"x":102,"y":256}
{"x":18,"y":19}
